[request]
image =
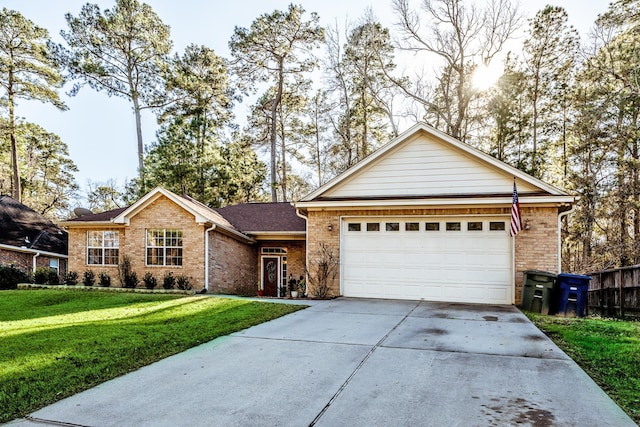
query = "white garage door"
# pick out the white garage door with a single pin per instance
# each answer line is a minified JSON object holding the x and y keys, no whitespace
{"x":441,"y":259}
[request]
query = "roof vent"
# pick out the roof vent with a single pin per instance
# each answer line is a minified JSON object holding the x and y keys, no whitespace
{"x":80,"y":212}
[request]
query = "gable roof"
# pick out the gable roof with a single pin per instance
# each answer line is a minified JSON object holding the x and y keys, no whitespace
{"x":260,"y":218}
{"x":23,"y":228}
{"x":202,"y":214}
{"x":424,"y":166}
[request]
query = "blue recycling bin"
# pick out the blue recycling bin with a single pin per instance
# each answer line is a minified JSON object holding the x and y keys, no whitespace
{"x":572,"y":294}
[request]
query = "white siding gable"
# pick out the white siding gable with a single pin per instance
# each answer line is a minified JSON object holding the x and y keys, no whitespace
{"x":423,"y":165}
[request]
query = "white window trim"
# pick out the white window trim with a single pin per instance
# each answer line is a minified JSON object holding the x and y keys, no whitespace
{"x":164,"y":248}
{"x":102,"y":247}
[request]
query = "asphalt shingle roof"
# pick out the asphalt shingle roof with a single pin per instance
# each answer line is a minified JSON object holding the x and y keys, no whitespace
{"x":21,"y":226}
{"x":265,"y":217}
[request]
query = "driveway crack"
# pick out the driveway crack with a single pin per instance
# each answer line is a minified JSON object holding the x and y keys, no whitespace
{"x":355,"y":371}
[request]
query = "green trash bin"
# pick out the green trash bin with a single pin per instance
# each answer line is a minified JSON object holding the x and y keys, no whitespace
{"x":538,"y":291}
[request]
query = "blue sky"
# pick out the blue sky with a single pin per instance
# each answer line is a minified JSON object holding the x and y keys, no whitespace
{"x":100,"y":130}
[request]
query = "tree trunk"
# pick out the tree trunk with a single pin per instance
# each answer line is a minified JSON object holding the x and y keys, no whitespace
{"x":274,"y":130}
{"x":136,"y":112}
{"x":16,"y":192}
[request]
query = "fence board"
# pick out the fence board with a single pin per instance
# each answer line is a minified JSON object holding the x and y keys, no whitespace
{"x":615,"y":292}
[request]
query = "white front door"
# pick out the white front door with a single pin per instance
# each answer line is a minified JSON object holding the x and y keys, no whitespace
{"x":437,"y":259}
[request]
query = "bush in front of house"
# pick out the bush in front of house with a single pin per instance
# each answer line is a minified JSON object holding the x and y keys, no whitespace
{"x":104,"y":280}
{"x":128,"y":277}
{"x":71,"y":278}
{"x":183,"y":283}
{"x":46,"y":276}
{"x":41,"y":275}
{"x":10,"y":276}
{"x":149,"y":281}
{"x":168,"y":281}
{"x":88,"y":278}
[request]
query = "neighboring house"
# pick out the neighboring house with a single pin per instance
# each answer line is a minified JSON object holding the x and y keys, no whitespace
{"x":163,"y":232}
{"x":427,"y":217}
{"x":28,"y":240}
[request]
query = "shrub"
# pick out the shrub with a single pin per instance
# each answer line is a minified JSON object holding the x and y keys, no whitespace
{"x":168,"y":281}
{"x":105,"y":280}
{"x":149,"y":281}
{"x":128,"y":277}
{"x":183,"y":283}
{"x":52,"y":277}
{"x":88,"y":278}
{"x":71,"y":278}
{"x":41,"y":276}
{"x":10,"y":276}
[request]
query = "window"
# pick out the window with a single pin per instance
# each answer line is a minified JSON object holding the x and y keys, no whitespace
{"x":432,"y":226}
{"x":354,"y":226}
{"x":54,"y":264}
{"x":393,"y":226}
{"x":373,"y":226}
{"x":102,"y":247}
{"x":496,"y":226}
{"x":412,"y":226}
{"x":474,"y":226}
{"x":164,"y":247}
{"x":453,"y":226}
{"x":273,"y":251}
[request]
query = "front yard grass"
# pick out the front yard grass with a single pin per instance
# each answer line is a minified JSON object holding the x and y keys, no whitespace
{"x":56,"y":343}
{"x":607,"y":349}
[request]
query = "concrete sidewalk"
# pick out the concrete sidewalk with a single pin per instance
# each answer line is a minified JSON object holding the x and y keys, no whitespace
{"x":357,"y":363}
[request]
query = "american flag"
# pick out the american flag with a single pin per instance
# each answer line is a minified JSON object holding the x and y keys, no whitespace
{"x":516,"y":219}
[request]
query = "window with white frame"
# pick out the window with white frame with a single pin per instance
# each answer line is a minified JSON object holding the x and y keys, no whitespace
{"x":102,"y":247}
{"x":54,"y":264}
{"x":164,"y":247}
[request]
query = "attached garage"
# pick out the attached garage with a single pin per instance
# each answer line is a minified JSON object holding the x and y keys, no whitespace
{"x":464,"y":259}
{"x":427,"y":217}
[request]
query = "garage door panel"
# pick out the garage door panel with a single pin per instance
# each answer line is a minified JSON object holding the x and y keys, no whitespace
{"x":462,"y":266}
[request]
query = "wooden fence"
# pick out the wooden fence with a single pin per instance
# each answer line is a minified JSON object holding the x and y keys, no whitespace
{"x":615,"y":292}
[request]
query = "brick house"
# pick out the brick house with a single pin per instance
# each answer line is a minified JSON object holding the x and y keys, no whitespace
{"x":428,"y":217}
{"x":424,"y":217}
{"x":163,"y":232}
{"x":28,"y":240}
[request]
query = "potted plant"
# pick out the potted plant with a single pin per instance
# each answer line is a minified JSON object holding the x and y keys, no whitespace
{"x":293,"y":286}
{"x":302,"y":287}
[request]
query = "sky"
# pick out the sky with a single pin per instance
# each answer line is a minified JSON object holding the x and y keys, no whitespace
{"x":100,"y":130}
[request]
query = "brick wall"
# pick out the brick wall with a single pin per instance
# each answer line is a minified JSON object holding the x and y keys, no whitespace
{"x":535,"y":249}
{"x":78,"y":253}
{"x":20,"y":260}
{"x":24,"y":261}
{"x":232,"y":266}
{"x":164,"y":214}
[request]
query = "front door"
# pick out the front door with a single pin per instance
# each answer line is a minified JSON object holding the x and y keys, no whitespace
{"x":270,"y":275}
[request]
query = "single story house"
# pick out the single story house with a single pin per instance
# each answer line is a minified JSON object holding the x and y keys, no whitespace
{"x":238,"y":249}
{"x":428,"y":217}
{"x":28,"y":240}
{"x":424,"y":217}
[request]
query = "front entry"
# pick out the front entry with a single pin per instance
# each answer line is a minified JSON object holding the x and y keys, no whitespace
{"x":270,"y":275}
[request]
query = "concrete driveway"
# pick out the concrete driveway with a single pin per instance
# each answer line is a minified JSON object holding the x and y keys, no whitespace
{"x":357,"y":363}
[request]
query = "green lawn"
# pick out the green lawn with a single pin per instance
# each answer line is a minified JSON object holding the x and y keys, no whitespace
{"x":607,"y":349}
{"x":55,"y":343}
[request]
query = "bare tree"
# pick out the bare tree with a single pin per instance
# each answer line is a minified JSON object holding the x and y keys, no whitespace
{"x":459,"y":38}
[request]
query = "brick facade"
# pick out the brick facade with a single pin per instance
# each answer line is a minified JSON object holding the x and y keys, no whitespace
{"x":231,"y":266}
{"x":296,"y":253}
{"x":24,"y":261}
{"x":535,"y":249}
